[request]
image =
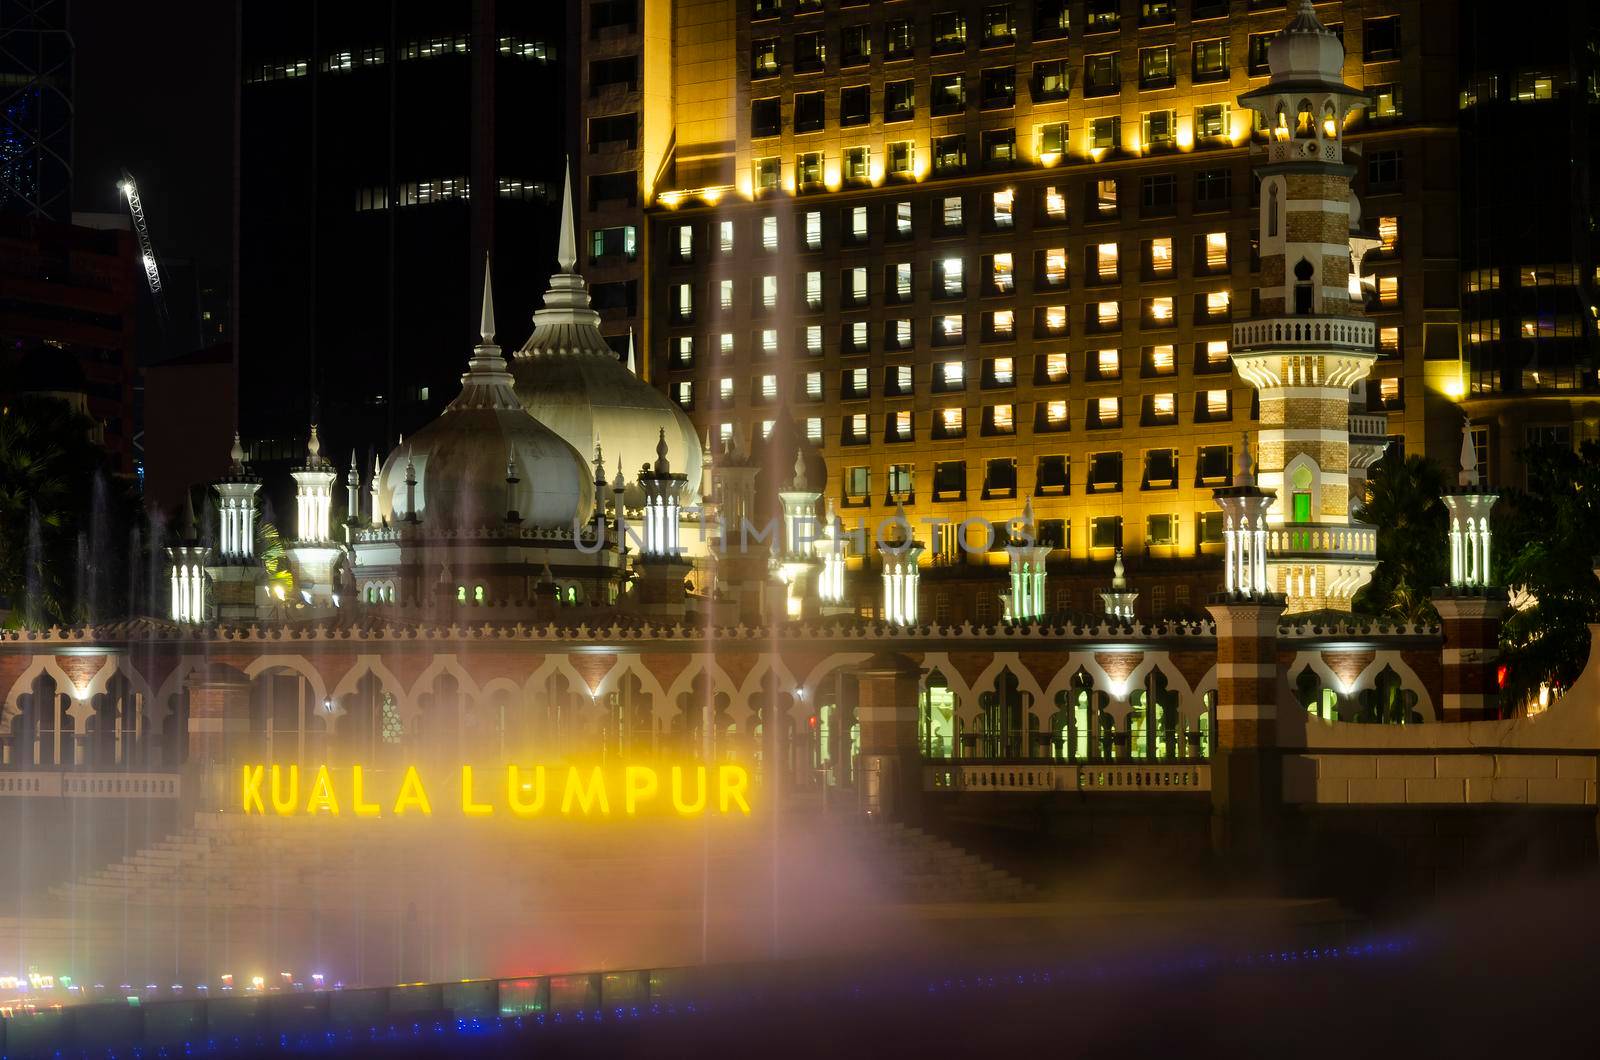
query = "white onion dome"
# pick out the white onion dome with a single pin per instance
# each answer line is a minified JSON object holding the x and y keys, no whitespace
{"x":465,"y":461}
{"x":568,"y":377}
{"x":1306,"y":53}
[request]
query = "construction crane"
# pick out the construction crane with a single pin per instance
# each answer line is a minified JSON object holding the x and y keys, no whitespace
{"x":152,"y":271}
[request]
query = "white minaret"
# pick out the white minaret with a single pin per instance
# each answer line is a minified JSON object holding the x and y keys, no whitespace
{"x":236,"y":509}
{"x":832,"y":548}
{"x":313,"y":495}
{"x":797,"y":564}
{"x":1244,"y":530}
{"x":1119,"y":599}
{"x":663,"y":494}
{"x":1025,"y":602}
{"x":1470,"y":505}
{"x":901,"y":574}
{"x":1309,"y":345}
{"x":189,"y":558}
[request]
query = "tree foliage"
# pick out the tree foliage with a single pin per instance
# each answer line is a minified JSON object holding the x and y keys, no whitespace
{"x":63,"y":519}
{"x":1548,"y":536}
{"x":1403,"y":502}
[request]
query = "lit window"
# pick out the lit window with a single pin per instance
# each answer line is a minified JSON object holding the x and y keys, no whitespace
{"x":1108,"y":409}
{"x":858,"y":284}
{"x":769,"y":341}
{"x":1388,"y":234}
{"x":952,"y":211}
{"x":1162,"y":360}
{"x":1055,"y":204}
{"x":1108,"y":314}
{"x":858,"y":428}
{"x":1108,"y":364}
{"x":1003,"y":419}
{"x":725,"y":294}
{"x":1055,"y":318}
{"x":725,"y":236}
{"x":1389,"y":340}
{"x":766,"y":427}
{"x":1216,"y":250}
{"x":1056,"y":367}
{"x":814,"y":385}
{"x":858,"y":222}
{"x":901,"y":426}
{"x":902,"y":281}
{"x":902,"y":379}
{"x":685,"y":242}
{"x":814,"y":429}
{"x":954,"y":374}
{"x":1004,"y":323}
{"x":1004,"y":371}
{"x":902,"y":158}
{"x":858,"y":335}
{"x":769,"y":233}
{"x":725,"y":433}
{"x":1002,"y":276}
{"x":769,"y":387}
{"x":814,"y":290}
{"x":1216,"y":403}
{"x":950,"y":276}
{"x":1389,"y":290}
{"x":1105,"y":200}
{"x":1389,"y":390}
{"x":951,"y":327}
{"x":1161,"y":255}
{"x":1164,"y":406}
{"x":1055,"y":413}
{"x":902,"y":218}
{"x":1531,"y":87}
{"x":768,"y":172}
{"x":813,"y":230}
{"x":1055,"y":266}
{"x":1216,"y":353}
{"x":954,"y":420}
{"x":1161,"y":309}
{"x":814,"y":338}
{"x":683,"y":351}
{"x":1003,"y":202}
{"x":769,"y":291}
{"x":1106,"y":261}
{"x":902,"y":332}
{"x":683,"y":394}
{"x":725,"y":343}
{"x":725,"y":388}
{"x":1217,"y":303}
{"x":685,"y":302}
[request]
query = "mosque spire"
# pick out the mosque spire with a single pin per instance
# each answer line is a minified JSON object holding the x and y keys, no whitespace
{"x":1468,"y":475}
{"x":567,"y":248}
{"x":486,"y":324}
{"x":633,"y":365}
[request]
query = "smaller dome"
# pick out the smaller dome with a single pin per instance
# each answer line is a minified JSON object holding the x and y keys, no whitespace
{"x":1306,"y":51}
{"x":462,"y":462}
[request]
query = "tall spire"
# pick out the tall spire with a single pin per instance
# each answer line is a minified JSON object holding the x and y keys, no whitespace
{"x":236,"y":455}
{"x":486,"y":324}
{"x":567,"y":248}
{"x":1469,"y":457}
{"x":1242,"y":475}
{"x":633,"y":365}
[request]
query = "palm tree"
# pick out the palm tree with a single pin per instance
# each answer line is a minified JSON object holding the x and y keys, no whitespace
{"x":1404,"y":501}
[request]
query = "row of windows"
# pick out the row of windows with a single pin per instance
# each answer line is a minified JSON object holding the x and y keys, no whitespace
{"x":952,"y":376}
{"x":1102,"y":472}
{"x":515,"y":47}
{"x":447,"y":189}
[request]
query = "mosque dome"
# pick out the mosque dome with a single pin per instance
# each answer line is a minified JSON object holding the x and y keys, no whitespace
{"x":463,"y":461}
{"x":569,"y":379}
{"x":1306,"y":52}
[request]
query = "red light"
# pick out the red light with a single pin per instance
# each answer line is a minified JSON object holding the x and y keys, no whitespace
{"x":1500,"y":674}
{"x":812,"y":721}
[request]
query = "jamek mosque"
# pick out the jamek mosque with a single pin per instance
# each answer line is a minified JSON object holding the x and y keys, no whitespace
{"x":553,"y":570}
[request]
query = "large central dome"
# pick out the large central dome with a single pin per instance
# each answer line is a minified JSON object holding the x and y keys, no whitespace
{"x":462,"y":462}
{"x":570,"y":380}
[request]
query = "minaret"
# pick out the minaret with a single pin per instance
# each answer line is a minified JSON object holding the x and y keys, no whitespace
{"x":832,"y":549}
{"x":1119,"y":599}
{"x":633,"y":364}
{"x":797,"y":564}
{"x":352,"y":500}
{"x":1025,"y":602}
{"x":662,"y":567}
{"x":1244,"y":530}
{"x":1471,"y":608}
{"x":1310,"y":345}
{"x":189,"y":558}
{"x":901,"y":574}
{"x":238,"y":587}
{"x":313,"y":553}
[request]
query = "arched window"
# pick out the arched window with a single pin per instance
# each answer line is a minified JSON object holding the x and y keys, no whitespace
{"x":477,"y":594}
{"x":1272,"y":209}
{"x":1304,"y":296}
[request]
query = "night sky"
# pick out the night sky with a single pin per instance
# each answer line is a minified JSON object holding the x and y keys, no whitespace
{"x":154,"y":93}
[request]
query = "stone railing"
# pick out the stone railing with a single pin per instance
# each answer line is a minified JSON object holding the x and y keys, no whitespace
{"x":75,"y":784}
{"x":1341,"y":333}
{"x":1313,"y":540}
{"x":1369,"y":425}
{"x":1024,"y":776}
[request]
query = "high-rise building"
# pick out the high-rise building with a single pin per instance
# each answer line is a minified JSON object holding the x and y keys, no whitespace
{"x":36,"y":110}
{"x":986,"y":252}
{"x":1529,"y":91}
{"x":384,"y":148}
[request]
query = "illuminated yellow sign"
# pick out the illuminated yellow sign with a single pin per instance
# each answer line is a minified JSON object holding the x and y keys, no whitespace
{"x":519,"y":791}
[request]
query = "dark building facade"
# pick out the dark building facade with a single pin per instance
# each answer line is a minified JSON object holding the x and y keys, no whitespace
{"x":68,"y":305}
{"x":384,"y":148}
{"x":1529,"y":97}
